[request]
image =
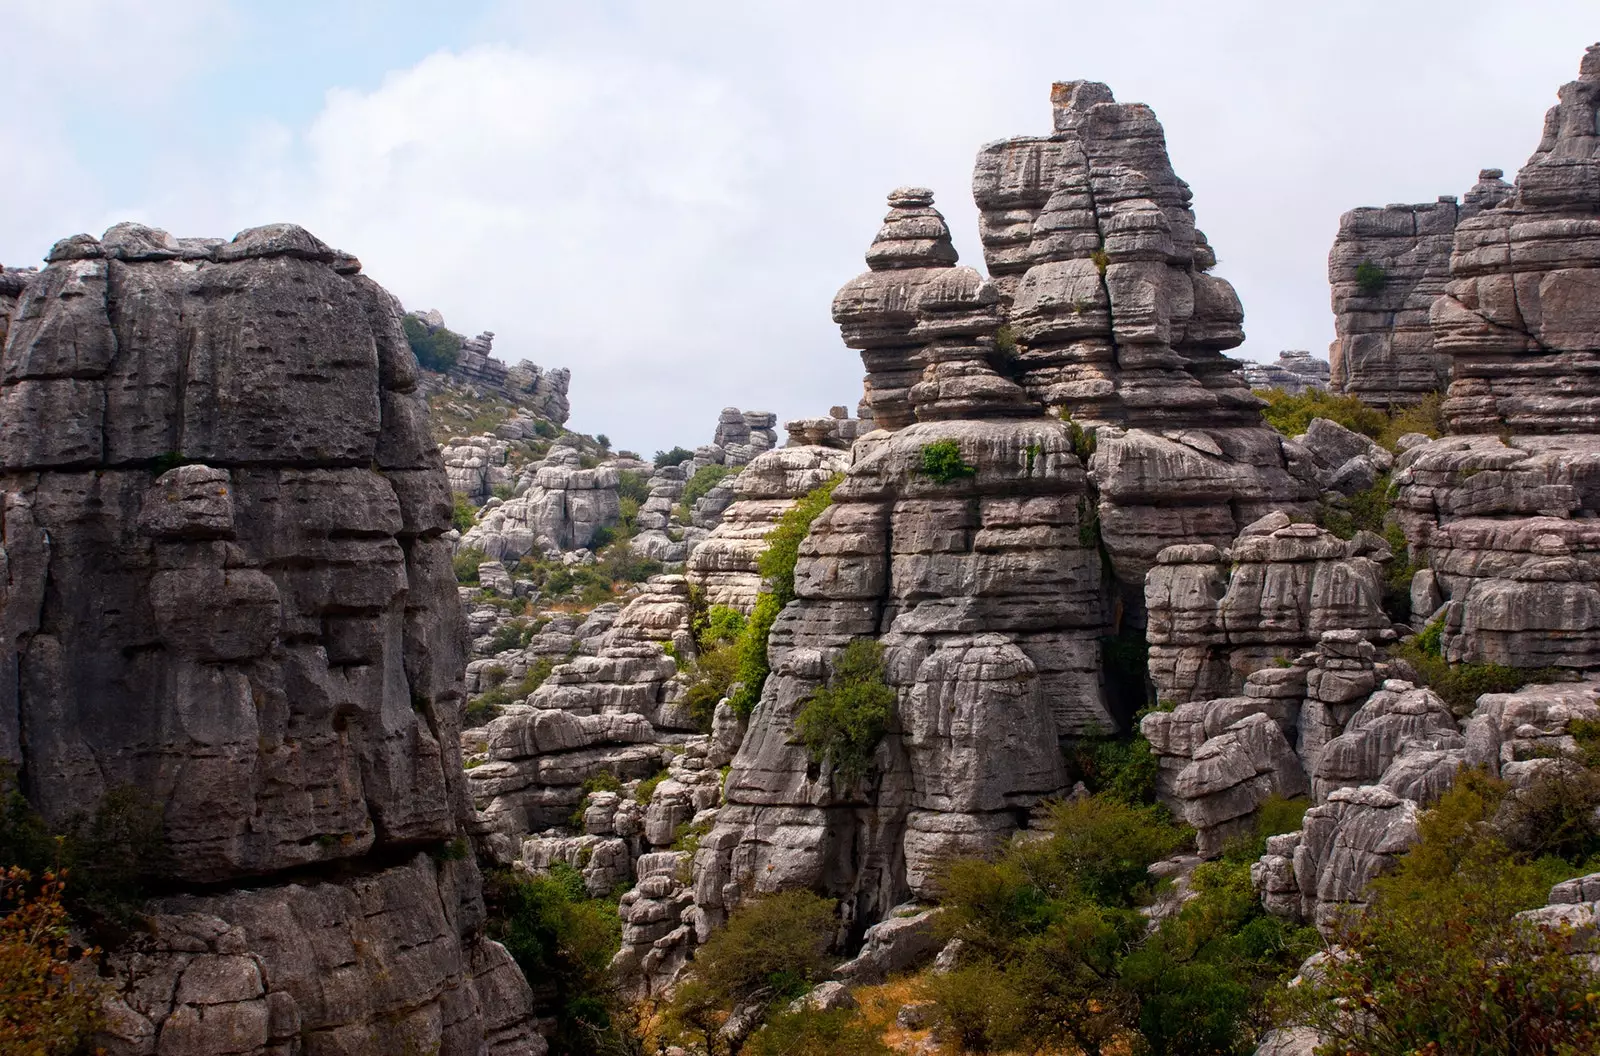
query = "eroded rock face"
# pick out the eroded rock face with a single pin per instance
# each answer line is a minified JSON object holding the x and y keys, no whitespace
{"x":988,"y":600}
{"x":265,"y":640}
{"x":1518,"y":316}
{"x":1383,"y":350}
{"x":724,"y":564}
{"x":1217,"y":615}
{"x":562,"y":508}
{"x":1509,"y":529}
{"x":1294,"y":371}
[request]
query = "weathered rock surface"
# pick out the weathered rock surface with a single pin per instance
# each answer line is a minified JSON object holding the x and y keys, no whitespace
{"x":1509,"y":529}
{"x":1518,"y":316}
{"x":541,"y":392}
{"x":265,"y":640}
{"x":1294,"y":371}
{"x":1383,"y":349}
{"x":724,"y":564}
{"x":989,"y":602}
{"x":563,"y":508}
{"x":1217,"y":615}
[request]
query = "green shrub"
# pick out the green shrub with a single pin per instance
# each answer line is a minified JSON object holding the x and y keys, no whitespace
{"x":1274,"y":817}
{"x":1101,"y":259}
{"x":1083,"y":440}
{"x":811,"y":1033}
{"x":1005,"y":341}
{"x":942,"y":461}
{"x":705,"y":478}
{"x":466,"y":562}
{"x":1439,"y":963}
{"x":978,"y":1007}
{"x":648,"y":786}
{"x":1425,"y":417}
{"x":51,"y":999}
{"x":720,"y":623}
{"x":632,"y":484}
{"x":462,"y":513}
{"x":565,"y":941}
{"x":1291,"y":414}
{"x":715,"y":669}
{"x":438,"y":350}
{"x":1460,"y":685}
{"x":1371,"y":278}
{"x":777,"y":564}
{"x":842,"y":722}
{"x":503,"y":491}
{"x":1123,"y":768}
{"x":603,"y":440}
{"x":772,"y":949}
{"x":677,"y":456}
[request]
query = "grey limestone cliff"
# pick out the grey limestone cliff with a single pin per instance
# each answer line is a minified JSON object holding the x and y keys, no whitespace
{"x":225,"y":587}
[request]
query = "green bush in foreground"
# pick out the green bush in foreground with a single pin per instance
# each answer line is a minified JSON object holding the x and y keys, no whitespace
{"x":437,"y":350}
{"x":842,"y":722}
{"x":1460,"y":685}
{"x":466,"y":562}
{"x":563,"y":939}
{"x":705,"y":478}
{"x":809,"y":1033}
{"x":1439,"y":963}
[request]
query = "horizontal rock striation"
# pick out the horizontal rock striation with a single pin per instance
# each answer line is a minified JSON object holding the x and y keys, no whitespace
{"x":725,"y":563}
{"x":1386,"y":268}
{"x":226,"y":587}
{"x":1518,"y":317}
{"x":1295,"y":371}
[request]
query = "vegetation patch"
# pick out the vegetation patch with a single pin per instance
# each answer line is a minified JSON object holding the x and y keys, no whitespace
{"x":1371,"y":278}
{"x":842,"y":722}
{"x":777,"y":566}
{"x":676,"y":457}
{"x":772,"y":949}
{"x":705,"y":478}
{"x":942,"y":461}
{"x":50,"y":999}
{"x":1460,"y":685}
{"x":564,"y":940}
{"x":1439,"y":963}
{"x":437,"y":350}
{"x":463,"y":515}
{"x":1291,"y":414}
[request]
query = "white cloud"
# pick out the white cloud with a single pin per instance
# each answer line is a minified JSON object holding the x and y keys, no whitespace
{"x":665,"y":197}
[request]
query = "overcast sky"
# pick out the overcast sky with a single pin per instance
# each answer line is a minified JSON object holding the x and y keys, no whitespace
{"x":665,"y":196}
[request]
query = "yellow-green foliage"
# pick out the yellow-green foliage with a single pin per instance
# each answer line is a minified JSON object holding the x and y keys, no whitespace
{"x":1440,"y":964}
{"x":772,"y":949}
{"x":777,"y":565}
{"x":705,"y":478}
{"x":843,"y":721}
{"x":1291,"y":414}
{"x":1460,"y":685}
{"x":811,"y":1033}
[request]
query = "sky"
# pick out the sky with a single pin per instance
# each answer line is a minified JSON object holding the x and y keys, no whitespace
{"x":664,"y":197}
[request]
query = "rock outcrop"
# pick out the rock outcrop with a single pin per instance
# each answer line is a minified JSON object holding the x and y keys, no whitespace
{"x":227,"y":589}
{"x":725,"y":563}
{"x":1217,"y":615}
{"x":1386,"y":268}
{"x":1518,"y":316}
{"x":1294,"y":371}
{"x":563,"y":507}
{"x":541,"y":392}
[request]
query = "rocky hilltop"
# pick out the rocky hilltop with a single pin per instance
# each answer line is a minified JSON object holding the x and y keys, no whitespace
{"x":227,"y":590}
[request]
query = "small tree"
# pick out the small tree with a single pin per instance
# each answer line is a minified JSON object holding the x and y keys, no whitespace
{"x":49,"y":997}
{"x":843,"y":721}
{"x":437,"y":350}
{"x":1370,"y":277}
{"x":677,"y":456}
{"x":942,"y":461}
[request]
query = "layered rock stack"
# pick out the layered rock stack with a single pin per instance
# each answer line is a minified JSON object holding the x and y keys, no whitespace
{"x":227,"y":589}
{"x":725,"y":563}
{"x":562,"y":507}
{"x":1505,"y":519}
{"x":1119,"y":325}
{"x":1518,"y":317}
{"x":926,"y":328}
{"x":1386,"y":268}
{"x":1294,"y":371}
{"x":539,"y":391}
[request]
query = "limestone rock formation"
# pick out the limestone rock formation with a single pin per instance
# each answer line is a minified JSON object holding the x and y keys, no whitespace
{"x":563,"y":507}
{"x":541,"y":392}
{"x":1518,"y":316}
{"x":1294,"y":371}
{"x":1386,"y":268}
{"x":724,"y":564}
{"x":837,"y":430}
{"x":988,"y":599}
{"x":1215,"y":615}
{"x":227,"y":588}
